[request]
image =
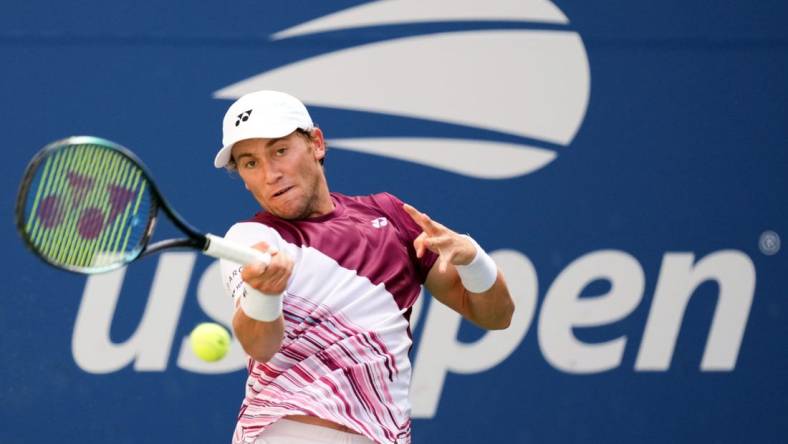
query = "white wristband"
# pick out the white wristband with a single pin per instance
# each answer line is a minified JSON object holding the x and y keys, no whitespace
{"x":260,"y":306}
{"x":480,"y":275}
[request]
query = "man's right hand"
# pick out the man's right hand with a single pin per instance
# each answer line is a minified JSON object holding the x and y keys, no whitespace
{"x":270,"y":279}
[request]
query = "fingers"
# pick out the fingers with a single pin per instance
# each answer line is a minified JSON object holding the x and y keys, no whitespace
{"x":414,"y":213}
{"x":249,"y":271}
{"x":437,"y":243}
{"x":252,"y":271}
{"x":443,"y":245}
{"x":418,"y":244}
{"x":451,"y":248}
{"x":271,"y":278}
{"x":263,"y":246}
{"x":428,"y":225}
{"x":275,"y":281}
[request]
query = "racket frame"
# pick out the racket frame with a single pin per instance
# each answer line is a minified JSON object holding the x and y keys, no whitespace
{"x":194,"y":238}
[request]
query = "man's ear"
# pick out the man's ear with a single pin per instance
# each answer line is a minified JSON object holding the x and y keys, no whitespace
{"x":318,"y":143}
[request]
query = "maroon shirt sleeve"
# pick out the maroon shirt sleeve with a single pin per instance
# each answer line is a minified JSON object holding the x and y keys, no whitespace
{"x":408,"y":231}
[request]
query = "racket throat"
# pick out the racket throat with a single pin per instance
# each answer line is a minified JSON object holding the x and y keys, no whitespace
{"x":193,"y":243}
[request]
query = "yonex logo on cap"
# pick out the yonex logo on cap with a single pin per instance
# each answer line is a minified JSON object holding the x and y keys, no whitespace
{"x":243,"y":117}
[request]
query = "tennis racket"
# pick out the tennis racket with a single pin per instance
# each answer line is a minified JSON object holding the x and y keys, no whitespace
{"x":88,"y":205}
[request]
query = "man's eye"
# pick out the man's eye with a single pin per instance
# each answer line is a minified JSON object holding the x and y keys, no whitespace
{"x":281,"y":151}
{"x":250,"y":164}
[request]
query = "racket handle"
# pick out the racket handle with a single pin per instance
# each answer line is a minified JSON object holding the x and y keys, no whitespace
{"x":221,"y":248}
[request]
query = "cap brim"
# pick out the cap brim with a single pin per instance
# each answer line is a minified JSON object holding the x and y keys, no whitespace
{"x":223,"y":156}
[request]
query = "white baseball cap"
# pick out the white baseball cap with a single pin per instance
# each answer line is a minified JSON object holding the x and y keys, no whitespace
{"x":261,"y":115}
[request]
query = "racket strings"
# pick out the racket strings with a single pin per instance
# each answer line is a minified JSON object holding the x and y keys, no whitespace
{"x":66,"y":245}
{"x":51,"y":213}
{"x":88,"y":207}
{"x":85,"y":231}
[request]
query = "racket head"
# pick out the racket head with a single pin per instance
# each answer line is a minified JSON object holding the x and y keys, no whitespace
{"x":86,"y":205}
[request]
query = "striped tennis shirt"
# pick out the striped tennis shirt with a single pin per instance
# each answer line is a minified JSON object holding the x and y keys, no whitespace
{"x":344,"y":357}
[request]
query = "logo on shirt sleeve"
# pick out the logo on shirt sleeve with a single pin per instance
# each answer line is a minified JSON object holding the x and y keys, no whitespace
{"x":380,"y":222}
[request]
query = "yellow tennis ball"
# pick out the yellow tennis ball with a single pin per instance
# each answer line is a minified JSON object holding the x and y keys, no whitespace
{"x":210,"y":341}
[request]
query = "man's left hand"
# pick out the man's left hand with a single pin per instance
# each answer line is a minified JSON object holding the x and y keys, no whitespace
{"x":452,"y":248}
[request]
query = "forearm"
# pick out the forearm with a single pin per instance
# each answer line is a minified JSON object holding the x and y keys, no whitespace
{"x":491,"y":309}
{"x":259,"y":339}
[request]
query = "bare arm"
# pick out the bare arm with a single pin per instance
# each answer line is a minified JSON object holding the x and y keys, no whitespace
{"x":262,"y":339}
{"x":259,"y":339}
{"x":491,"y":309}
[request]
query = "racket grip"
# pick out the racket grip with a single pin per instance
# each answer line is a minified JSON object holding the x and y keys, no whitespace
{"x":222,"y":248}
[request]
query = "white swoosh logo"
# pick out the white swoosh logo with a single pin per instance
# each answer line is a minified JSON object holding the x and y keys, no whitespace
{"x":534,"y":84}
{"x":481,"y":159}
{"x":540,"y":90}
{"x":392,"y":12}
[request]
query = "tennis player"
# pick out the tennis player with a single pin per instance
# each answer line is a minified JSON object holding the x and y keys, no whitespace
{"x":326,"y":323}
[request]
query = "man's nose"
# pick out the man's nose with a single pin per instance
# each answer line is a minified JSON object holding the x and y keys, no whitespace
{"x":272,"y":174}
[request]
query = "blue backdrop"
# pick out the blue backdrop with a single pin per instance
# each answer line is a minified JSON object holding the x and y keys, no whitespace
{"x":622,"y":160}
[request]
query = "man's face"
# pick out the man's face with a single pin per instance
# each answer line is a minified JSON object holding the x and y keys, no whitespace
{"x":285,"y":174}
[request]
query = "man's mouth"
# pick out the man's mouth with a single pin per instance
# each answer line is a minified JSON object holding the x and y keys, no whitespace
{"x":282,"y":191}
